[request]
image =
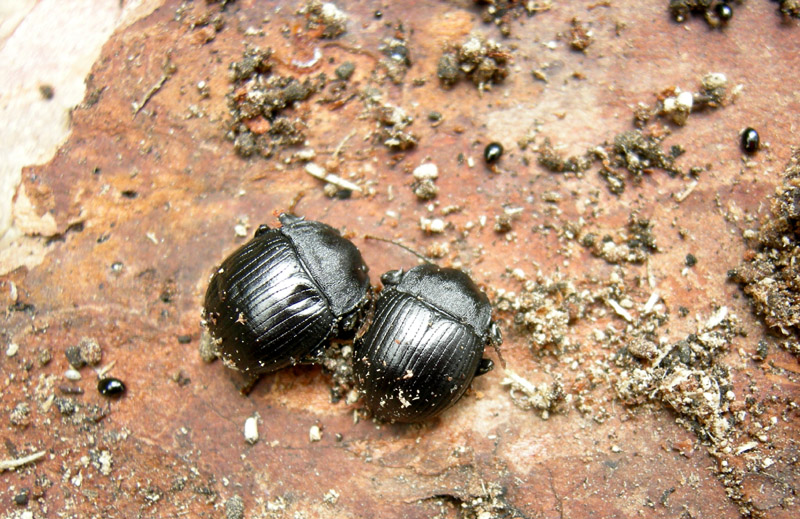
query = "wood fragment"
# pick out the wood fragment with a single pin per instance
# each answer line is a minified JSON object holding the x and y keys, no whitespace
{"x":168,"y":70}
{"x":11,"y":464}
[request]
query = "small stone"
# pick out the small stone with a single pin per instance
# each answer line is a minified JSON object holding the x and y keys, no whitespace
{"x":427,"y":171}
{"x":72,"y":374}
{"x":426,"y":190}
{"x":685,"y":101}
{"x":90,"y":351}
{"x":66,"y":406}
{"x":330,"y":190}
{"x":502,"y":223}
{"x":234,"y":508}
{"x":47,"y":92}
{"x":345,"y":70}
{"x":12,"y":349}
{"x":314,"y":433}
{"x":435,"y":225}
{"x":331,"y":497}
{"x":21,"y":499}
{"x":642,"y":348}
{"x":45,"y":357}
{"x":251,"y":430}
{"x":73,"y":354}
{"x":20,"y":415}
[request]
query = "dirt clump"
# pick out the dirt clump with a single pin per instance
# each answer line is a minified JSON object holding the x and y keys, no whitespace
{"x":770,"y":273}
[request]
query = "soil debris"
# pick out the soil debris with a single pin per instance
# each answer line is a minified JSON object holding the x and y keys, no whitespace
{"x":484,"y":501}
{"x":686,"y":375}
{"x":770,"y":274}
{"x":424,"y":177}
{"x":544,"y":309}
{"x":633,"y":151}
{"x":337,"y":362}
{"x":580,"y":36}
{"x":637,"y":152}
{"x":325,"y":17}
{"x":256,"y":101}
{"x":234,"y":508}
{"x":392,"y":124}
{"x":86,"y":352}
{"x":675,"y":105}
{"x":554,"y":160}
{"x":789,"y":8}
{"x":633,"y":244}
{"x":483,"y":61}
{"x":397,"y":59}
{"x":545,"y":398}
{"x":501,"y":12}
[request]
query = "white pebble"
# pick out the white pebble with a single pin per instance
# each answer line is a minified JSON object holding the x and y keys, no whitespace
{"x":685,"y":101}
{"x":427,"y":171}
{"x":12,"y":350}
{"x":251,"y":430}
{"x":240,"y":230}
{"x":72,"y":374}
{"x":435,"y":225}
{"x":314,"y":433}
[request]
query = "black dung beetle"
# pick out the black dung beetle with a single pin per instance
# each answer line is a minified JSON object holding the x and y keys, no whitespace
{"x":493,"y":152}
{"x":750,"y":140}
{"x":425,"y":343}
{"x":110,"y":387}
{"x":279,"y":298}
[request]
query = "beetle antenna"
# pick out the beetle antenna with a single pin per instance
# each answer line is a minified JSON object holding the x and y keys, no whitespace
{"x":402,"y":246}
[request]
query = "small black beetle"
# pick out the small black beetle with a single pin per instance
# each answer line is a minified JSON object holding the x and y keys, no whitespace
{"x":425,"y":343}
{"x":750,"y":140}
{"x":110,"y":387}
{"x":279,"y":298}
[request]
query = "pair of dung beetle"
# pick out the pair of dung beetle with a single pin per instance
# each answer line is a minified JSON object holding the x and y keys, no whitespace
{"x":281,"y":297}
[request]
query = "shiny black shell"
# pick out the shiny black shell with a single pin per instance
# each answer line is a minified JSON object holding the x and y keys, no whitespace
{"x":110,"y":387}
{"x":750,"y":140}
{"x":425,"y":343}
{"x":493,"y":152}
{"x":282,"y":296}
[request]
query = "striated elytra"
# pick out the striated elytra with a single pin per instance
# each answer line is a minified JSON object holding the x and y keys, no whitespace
{"x":425,"y":343}
{"x":282,"y":296}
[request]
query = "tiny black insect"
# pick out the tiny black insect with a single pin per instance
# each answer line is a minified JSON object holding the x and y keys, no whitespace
{"x":724,"y":11}
{"x":750,"y":140}
{"x":493,"y":152}
{"x":279,"y":298}
{"x":425,"y":343}
{"x":110,"y":387}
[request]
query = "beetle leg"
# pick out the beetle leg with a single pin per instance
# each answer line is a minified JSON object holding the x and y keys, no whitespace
{"x":484,"y":367}
{"x":289,"y":219}
{"x":393,"y":277}
{"x":495,"y":336}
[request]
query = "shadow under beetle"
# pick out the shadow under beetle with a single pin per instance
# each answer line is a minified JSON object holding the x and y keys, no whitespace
{"x":280,"y":298}
{"x":425,"y":343}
